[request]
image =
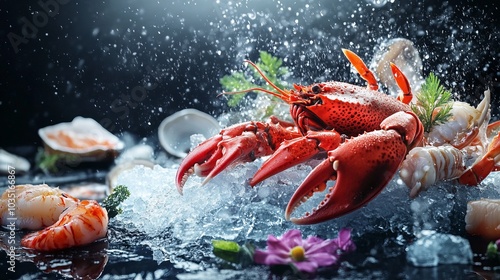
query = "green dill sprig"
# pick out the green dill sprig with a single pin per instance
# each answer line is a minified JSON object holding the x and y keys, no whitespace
{"x":50,"y":163}
{"x":271,"y":66}
{"x":434,"y":103}
{"x":113,"y":201}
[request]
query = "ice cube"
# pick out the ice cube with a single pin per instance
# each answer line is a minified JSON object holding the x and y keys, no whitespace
{"x":435,"y":248}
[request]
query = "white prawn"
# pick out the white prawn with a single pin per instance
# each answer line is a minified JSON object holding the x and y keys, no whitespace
{"x":33,"y":207}
{"x":63,"y":221}
{"x":463,"y":148}
{"x":425,"y":166}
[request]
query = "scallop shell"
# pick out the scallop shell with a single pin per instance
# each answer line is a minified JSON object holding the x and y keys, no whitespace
{"x":483,"y":218}
{"x":83,"y":137}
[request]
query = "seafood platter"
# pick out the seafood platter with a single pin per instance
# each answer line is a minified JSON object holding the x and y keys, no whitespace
{"x":384,"y":167}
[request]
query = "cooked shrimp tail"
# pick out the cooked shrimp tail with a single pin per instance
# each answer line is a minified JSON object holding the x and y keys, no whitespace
{"x":80,"y":224}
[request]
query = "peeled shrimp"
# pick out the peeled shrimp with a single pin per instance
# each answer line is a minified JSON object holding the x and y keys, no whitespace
{"x":80,"y":224}
{"x":463,"y":126}
{"x":424,"y":166}
{"x":483,"y":218}
{"x":33,"y":207}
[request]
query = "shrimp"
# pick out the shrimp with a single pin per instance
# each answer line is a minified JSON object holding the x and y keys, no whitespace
{"x":424,"y":166}
{"x":465,"y":123}
{"x":33,"y":207}
{"x":80,"y":224}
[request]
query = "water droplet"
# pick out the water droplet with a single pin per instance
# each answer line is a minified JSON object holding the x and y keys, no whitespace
{"x":252,"y":15}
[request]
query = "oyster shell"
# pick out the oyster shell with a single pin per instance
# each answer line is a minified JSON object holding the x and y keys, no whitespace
{"x":83,"y":137}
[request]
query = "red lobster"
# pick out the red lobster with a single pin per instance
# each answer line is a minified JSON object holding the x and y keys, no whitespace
{"x":365,"y":133}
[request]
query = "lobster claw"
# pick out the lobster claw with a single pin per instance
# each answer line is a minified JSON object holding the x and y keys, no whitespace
{"x":214,"y":155}
{"x":361,"y":166}
{"x":236,"y":144}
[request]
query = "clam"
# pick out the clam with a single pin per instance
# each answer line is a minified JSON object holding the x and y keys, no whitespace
{"x":83,"y":137}
{"x":483,"y":218}
{"x":176,"y":130}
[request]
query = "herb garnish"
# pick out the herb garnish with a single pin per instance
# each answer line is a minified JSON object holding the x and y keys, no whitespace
{"x":434,"y":103}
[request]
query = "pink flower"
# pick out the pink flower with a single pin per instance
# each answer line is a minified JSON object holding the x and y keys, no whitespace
{"x":305,"y":254}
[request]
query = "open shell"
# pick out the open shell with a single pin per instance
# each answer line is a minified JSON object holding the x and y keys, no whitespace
{"x":175,"y":131}
{"x":83,"y":137}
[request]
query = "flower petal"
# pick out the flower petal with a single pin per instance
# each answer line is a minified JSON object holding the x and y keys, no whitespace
{"x":323,"y":259}
{"x":292,"y":238}
{"x":264,"y":257}
{"x":276,"y":246}
{"x":327,"y":246}
{"x":306,"y":266}
{"x":260,"y":256}
{"x":344,"y":240}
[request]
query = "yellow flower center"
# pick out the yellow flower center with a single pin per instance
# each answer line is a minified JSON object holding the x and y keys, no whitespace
{"x":298,"y":254}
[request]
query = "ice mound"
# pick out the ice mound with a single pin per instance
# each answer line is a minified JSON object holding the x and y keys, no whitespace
{"x":180,"y":227}
{"x":438,"y":248}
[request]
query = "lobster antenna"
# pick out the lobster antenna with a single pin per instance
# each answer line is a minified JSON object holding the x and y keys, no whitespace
{"x":253,"y":89}
{"x":281,"y":92}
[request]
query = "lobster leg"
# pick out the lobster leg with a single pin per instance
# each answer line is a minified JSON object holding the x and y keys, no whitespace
{"x":236,"y":144}
{"x":361,"y":166}
{"x":486,"y":164}
{"x":362,"y":69}
{"x":295,"y":151}
{"x":406,"y":96}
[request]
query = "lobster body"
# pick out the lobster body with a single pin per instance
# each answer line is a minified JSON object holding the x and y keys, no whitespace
{"x":365,"y":135}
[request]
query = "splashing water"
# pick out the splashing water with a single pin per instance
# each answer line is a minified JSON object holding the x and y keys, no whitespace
{"x":379,"y":3}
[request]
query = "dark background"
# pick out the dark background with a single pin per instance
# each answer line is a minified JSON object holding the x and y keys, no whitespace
{"x":130,"y":64}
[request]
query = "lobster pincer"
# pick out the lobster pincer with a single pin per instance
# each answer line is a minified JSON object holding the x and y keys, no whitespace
{"x":361,"y":167}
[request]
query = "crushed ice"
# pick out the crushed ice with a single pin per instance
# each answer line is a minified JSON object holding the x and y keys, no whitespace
{"x":180,"y":227}
{"x":439,"y":248}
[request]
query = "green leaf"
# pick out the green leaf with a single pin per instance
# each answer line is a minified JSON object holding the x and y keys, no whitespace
{"x":238,"y":81}
{"x":224,"y":245}
{"x":246,"y":254}
{"x":434,"y":103}
{"x":226,"y":250}
{"x":492,"y":251}
{"x":50,"y":163}
{"x":113,"y":201}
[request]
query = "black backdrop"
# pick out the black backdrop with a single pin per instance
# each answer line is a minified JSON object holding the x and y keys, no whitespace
{"x":129,"y":64}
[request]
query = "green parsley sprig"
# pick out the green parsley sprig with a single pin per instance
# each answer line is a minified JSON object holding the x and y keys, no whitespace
{"x":50,"y":163}
{"x":434,"y":103}
{"x":113,"y":201}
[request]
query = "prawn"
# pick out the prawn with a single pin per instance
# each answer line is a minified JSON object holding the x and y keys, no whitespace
{"x":463,"y":148}
{"x":425,"y":166}
{"x":464,"y":125}
{"x":80,"y":224}
{"x":35,"y":207}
